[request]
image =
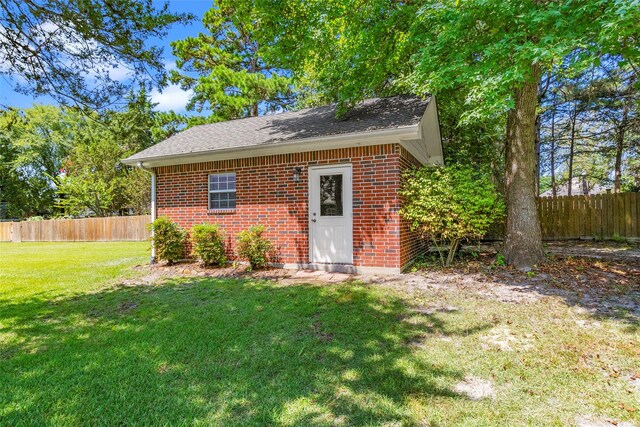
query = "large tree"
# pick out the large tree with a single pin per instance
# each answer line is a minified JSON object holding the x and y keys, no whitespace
{"x":225,"y":70}
{"x":95,"y":181}
{"x":494,"y":51}
{"x":34,"y":143}
{"x":56,"y":160}
{"x":80,"y":51}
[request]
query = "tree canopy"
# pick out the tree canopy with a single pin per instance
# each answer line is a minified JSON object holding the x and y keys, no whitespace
{"x":231,"y":78}
{"x":62,"y":161}
{"x":72,"y":49}
{"x":35,"y":143}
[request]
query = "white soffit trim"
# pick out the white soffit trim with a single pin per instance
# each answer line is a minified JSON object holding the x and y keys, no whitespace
{"x":427,"y":147}
{"x":359,"y":139}
{"x":430,"y":134}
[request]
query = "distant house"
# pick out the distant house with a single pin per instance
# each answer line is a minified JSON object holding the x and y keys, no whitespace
{"x":325,"y":187}
{"x":579,"y":185}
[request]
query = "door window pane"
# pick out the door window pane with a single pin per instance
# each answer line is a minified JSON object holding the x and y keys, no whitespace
{"x":331,"y":195}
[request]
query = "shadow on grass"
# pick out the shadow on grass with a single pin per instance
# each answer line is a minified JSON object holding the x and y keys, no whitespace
{"x":218,"y":351}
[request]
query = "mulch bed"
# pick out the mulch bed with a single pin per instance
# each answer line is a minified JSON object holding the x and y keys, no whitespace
{"x":604,"y":276}
{"x":582,"y":275}
{"x":187,"y":268}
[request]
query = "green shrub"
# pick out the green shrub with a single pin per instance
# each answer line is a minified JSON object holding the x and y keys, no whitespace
{"x":208,"y":244}
{"x":251,"y":246}
{"x":449,"y":205}
{"x":618,"y":238}
{"x":168,"y":239}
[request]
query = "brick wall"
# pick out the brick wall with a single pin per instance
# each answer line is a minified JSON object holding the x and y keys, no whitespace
{"x":267,"y":194}
{"x":411,"y":244}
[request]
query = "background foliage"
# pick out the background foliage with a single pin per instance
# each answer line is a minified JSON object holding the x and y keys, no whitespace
{"x":60,"y":161}
{"x":232,"y":79}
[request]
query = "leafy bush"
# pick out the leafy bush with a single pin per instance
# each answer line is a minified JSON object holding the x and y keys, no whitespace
{"x":208,"y":244}
{"x":254,"y":248}
{"x":168,"y":239}
{"x":449,"y":205}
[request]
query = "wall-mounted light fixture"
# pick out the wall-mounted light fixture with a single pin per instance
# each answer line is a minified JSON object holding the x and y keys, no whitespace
{"x":296,"y":173}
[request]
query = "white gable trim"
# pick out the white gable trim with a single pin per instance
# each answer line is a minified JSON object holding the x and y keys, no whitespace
{"x":429,"y":145}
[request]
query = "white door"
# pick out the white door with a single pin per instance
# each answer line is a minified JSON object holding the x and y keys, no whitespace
{"x":330,"y":214}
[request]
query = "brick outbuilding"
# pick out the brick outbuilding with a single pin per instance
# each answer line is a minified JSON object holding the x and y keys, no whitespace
{"x":326,"y":188}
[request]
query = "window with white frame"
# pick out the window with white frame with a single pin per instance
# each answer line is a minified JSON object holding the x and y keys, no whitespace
{"x":222,"y":191}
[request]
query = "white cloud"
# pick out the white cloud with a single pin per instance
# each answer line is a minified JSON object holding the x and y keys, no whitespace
{"x":171,"y":98}
{"x":119,"y":73}
{"x":170,"y":66}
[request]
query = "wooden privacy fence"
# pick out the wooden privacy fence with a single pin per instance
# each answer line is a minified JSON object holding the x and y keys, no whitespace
{"x":117,"y":228}
{"x":593,"y":216}
{"x":598,"y":216}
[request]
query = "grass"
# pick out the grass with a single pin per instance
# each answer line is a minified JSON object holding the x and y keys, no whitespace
{"x":76,"y":348}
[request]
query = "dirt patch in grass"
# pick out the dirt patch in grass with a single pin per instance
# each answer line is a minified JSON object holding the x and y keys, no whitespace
{"x":475,"y":388}
{"x":436,"y":308}
{"x":634,"y":382}
{"x":319,"y":333}
{"x":503,"y":339}
{"x":127,"y":306}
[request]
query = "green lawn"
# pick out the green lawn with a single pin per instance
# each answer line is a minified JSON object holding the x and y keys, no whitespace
{"x":78,"y":349}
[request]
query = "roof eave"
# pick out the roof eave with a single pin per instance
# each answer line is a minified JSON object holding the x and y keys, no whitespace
{"x":377,"y":137}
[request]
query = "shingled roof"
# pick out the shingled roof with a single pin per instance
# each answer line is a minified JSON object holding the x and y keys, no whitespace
{"x":370,"y":115}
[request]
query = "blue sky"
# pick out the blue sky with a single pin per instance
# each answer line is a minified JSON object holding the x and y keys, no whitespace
{"x":172,"y":98}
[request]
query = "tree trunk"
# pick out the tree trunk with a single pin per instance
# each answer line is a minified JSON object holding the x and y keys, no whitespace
{"x":620,"y":135}
{"x":537,"y":151}
{"x":553,"y":152}
{"x":617,"y":179}
{"x":541,"y":94}
{"x":523,"y":238}
{"x":572,"y":146}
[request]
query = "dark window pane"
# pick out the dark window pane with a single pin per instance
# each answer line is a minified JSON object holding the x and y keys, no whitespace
{"x":214,"y":200}
{"x":331,"y":195}
{"x":222,"y":200}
